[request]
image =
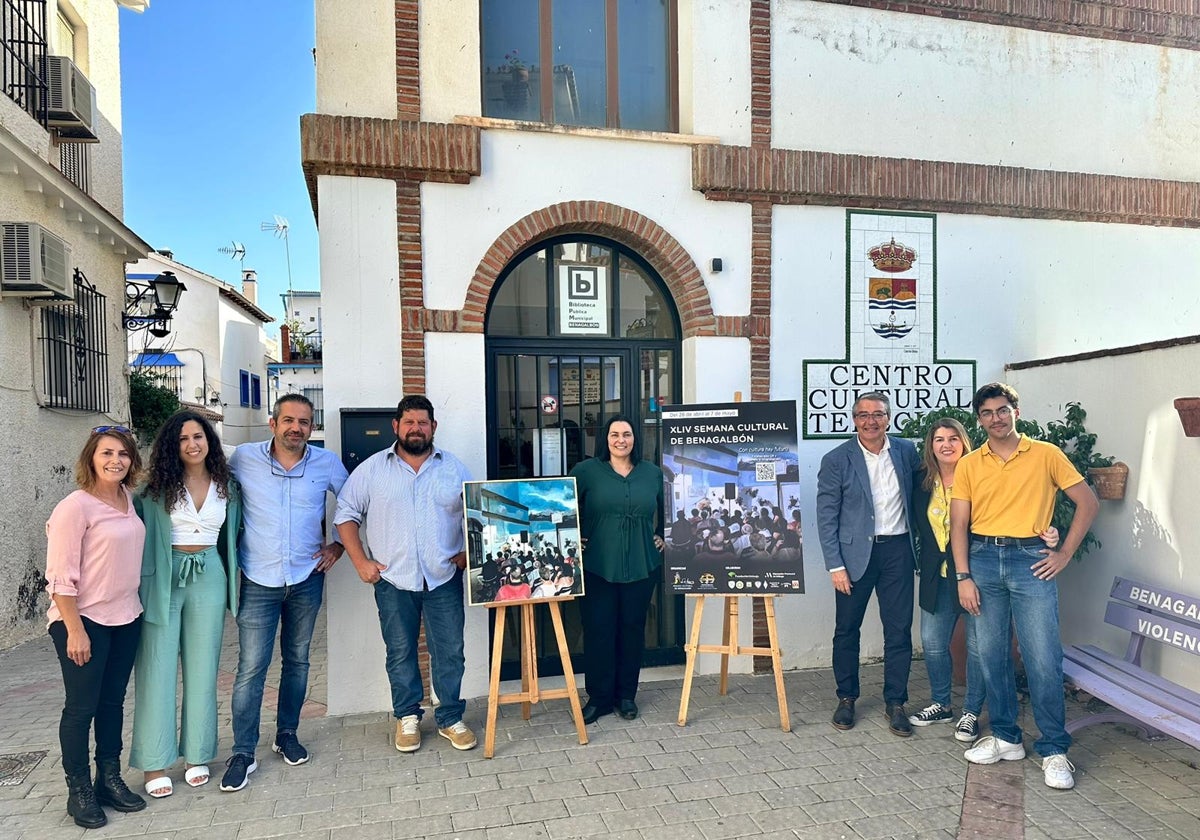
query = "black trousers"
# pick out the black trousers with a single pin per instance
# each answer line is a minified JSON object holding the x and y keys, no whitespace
{"x":890,"y":576}
{"x":614,"y":636}
{"x":95,"y":691}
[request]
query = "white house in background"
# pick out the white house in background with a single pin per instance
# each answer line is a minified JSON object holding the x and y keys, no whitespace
{"x":64,"y":246}
{"x":301,"y":353}
{"x":215,"y":355}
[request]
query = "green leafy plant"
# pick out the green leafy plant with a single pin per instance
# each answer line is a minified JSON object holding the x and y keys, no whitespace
{"x":1069,"y":434}
{"x":150,"y":404}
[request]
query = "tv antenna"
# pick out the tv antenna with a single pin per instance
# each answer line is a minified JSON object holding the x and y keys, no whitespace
{"x":235,"y":251}
{"x":279,"y":228}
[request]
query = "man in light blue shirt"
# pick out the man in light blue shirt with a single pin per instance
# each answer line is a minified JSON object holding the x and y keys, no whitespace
{"x":283,"y":559}
{"x":400,"y":517}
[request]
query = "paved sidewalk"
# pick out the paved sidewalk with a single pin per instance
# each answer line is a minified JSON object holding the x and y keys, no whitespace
{"x":730,"y":773}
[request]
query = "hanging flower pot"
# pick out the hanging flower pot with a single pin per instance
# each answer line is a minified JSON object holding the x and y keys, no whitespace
{"x":1110,"y":481}
{"x":1189,"y":415}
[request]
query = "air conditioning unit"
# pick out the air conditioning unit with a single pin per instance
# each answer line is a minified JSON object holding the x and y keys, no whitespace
{"x":34,"y":262}
{"x":71,"y":107}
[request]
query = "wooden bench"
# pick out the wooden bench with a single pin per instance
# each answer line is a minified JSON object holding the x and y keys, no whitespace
{"x":1153,"y":705}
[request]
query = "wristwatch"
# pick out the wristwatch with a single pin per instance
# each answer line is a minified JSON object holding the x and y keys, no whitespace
{"x":962,"y":576}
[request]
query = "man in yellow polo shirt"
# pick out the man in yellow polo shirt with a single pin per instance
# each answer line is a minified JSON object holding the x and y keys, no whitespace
{"x":1003,"y":497}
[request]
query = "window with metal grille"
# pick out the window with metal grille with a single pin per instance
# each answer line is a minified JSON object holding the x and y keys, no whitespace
{"x":244,"y":387}
{"x":255,"y":391}
{"x":75,"y":350}
{"x":317,"y":396}
{"x":23,"y":55}
{"x":74,"y":162}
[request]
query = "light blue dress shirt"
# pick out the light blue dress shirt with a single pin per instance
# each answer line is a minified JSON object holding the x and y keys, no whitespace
{"x":413,"y":520}
{"x":283,"y":511}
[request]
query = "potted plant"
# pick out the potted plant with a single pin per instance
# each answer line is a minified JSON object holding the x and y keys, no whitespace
{"x":1189,"y":415}
{"x":1069,"y":434}
{"x":516,"y":88}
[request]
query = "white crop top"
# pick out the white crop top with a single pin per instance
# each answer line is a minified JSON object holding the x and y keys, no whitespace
{"x":198,"y":527}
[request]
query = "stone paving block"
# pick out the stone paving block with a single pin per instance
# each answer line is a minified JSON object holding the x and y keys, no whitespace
{"x":734,"y":826}
{"x":570,"y":827}
{"x":666,"y":776}
{"x":787,"y":797}
{"x":706,"y":789}
{"x":575,"y":771}
{"x":663,"y":760}
{"x":306,"y":805}
{"x":745,"y":782}
{"x":331,"y":819}
{"x":228,"y":831}
{"x":704,"y":772}
{"x":839,"y":811}
{"x":558,"y":790}
{"x":273,"y":827}
{"x":536,"y":761}
{"x":239,"y":811}
{"x":830,"y":791}
{"x":844,"y":771}
{"x":674,"y":813}
{"x":358,"y":798}
{"x":535,"y":812}
{"x":633,"y":818}
{"x":474,"y":834}
{"x":930,"y":798}
{"x":609,"y":784}
{"x":481,"y":818}
{"x":593,"y":804}
{"x":474,"y":784}
{"x":646,"y":797}
{"x":780,"y":818}
{"x":803,"y":776}
{"x":931,"y":819}
{"x":375,"y":831}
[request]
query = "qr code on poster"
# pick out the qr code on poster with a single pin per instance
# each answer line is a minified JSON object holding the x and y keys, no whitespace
{"x":764,"y":470}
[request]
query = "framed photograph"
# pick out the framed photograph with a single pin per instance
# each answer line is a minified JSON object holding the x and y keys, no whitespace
{"x":522,"y":541}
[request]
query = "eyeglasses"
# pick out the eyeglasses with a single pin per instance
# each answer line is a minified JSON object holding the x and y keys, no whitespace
{"x":878,"y":416}
{"x":100,"y":430}
{"x":296,"y":471}
{"x":1002,"y":413}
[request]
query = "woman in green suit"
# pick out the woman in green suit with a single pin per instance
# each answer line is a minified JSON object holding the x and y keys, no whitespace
{"x":192,"y":510}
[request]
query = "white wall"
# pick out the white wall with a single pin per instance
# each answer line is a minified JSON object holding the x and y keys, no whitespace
{"x":356,"y":58}
{"x":1153,"y":535}
{"x":460,"y":224}
{"x":902,"y":85}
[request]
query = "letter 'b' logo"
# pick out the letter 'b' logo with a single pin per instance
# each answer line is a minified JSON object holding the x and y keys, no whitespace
{"x":583,"y":284}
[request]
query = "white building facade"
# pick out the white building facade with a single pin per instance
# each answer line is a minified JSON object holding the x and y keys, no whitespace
{"x":727,"y":170}
{"x":215,"y":356}
{"x":62,"y":364}
{"x":301,"y":359}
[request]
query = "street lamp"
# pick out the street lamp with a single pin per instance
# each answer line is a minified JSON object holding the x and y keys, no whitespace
{"x":163,"y":292}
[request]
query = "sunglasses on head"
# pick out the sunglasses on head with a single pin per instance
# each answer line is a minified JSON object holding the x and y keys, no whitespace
{"x":100,"y":430}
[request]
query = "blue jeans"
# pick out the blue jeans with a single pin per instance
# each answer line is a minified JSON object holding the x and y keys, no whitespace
{"x":1010,"y":594}
{"x":936,"y":630}
{"x":400,"y":615}
{"x":260,"y":610}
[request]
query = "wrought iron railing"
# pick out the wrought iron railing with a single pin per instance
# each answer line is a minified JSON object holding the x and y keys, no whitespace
{"x":23,"y":55}
{"x":75,"y":350}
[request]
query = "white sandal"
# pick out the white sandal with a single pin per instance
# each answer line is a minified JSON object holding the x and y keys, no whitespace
{"x":193,"y":773}
{"x":161,"y":783}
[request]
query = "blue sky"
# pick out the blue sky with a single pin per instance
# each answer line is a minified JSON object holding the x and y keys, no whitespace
{"x":212,"y":94}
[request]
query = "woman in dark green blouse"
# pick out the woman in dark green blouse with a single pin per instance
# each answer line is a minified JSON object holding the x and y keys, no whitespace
{"x":620,"y":505}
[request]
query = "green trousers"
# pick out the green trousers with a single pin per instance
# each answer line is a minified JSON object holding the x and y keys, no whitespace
{"x":191,"y":638}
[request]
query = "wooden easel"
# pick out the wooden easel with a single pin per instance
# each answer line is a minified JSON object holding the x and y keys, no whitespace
{"x":529,"y":693}
{"x":730,"y":647}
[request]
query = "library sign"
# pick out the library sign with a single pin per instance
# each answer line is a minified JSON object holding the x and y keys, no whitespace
{"x":891,"y":329}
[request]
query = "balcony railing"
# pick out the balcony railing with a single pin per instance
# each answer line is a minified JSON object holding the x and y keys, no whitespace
{"x":23,"y":55}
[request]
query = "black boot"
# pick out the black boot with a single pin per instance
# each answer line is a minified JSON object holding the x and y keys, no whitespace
{"x":111,"y":789}
{"x":81,"y":802}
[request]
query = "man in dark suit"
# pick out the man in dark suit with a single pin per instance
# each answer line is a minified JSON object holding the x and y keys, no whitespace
{"x":864,"y":491}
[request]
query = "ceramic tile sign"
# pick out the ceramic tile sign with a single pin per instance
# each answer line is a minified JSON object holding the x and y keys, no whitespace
{"x":733,"y":507}
{"x":891,"y":329}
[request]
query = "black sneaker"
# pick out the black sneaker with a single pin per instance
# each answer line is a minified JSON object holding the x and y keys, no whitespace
{"x":290,"y":748}
{"x":933,"y":713}
{"x":237,"y":772}
{"x":968,"y":728}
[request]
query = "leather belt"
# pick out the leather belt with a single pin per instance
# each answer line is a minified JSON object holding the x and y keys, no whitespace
{"x":1024,"y":542}
{"x":882,"y":538}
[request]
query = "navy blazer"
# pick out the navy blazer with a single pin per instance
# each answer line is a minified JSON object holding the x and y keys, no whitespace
{"x":845,"y":508}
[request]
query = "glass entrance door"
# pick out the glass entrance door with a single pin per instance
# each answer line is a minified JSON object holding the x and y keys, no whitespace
{"x":546,"y":406}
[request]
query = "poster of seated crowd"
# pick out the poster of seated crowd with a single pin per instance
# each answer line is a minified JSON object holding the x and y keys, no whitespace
{"x":732,"y":499}
{"x":522,"y":540}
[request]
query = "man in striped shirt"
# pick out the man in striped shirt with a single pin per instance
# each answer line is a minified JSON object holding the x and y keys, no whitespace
{"x":407,"y":503}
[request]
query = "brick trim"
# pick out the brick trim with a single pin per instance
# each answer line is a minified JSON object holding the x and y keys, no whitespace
{"x":760,"y":73}
{"x":641,"y":233}
{"x":787,"y":176}
{"x":370,"y":147}
{"x":408,"y":59}
{"x":1162,"y":23}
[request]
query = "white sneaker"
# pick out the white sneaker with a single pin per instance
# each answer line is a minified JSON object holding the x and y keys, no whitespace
{"x":1057,"y":771}
{"x":990,"y":749}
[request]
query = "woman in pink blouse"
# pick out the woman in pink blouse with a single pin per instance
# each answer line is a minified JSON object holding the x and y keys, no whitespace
{"x":93,"y":568}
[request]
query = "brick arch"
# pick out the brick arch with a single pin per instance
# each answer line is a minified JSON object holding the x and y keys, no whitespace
{"x":628,"y":227}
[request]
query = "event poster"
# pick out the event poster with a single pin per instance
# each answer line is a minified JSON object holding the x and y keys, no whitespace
{"x":733,"y":507}
{"x":522,"y":540}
